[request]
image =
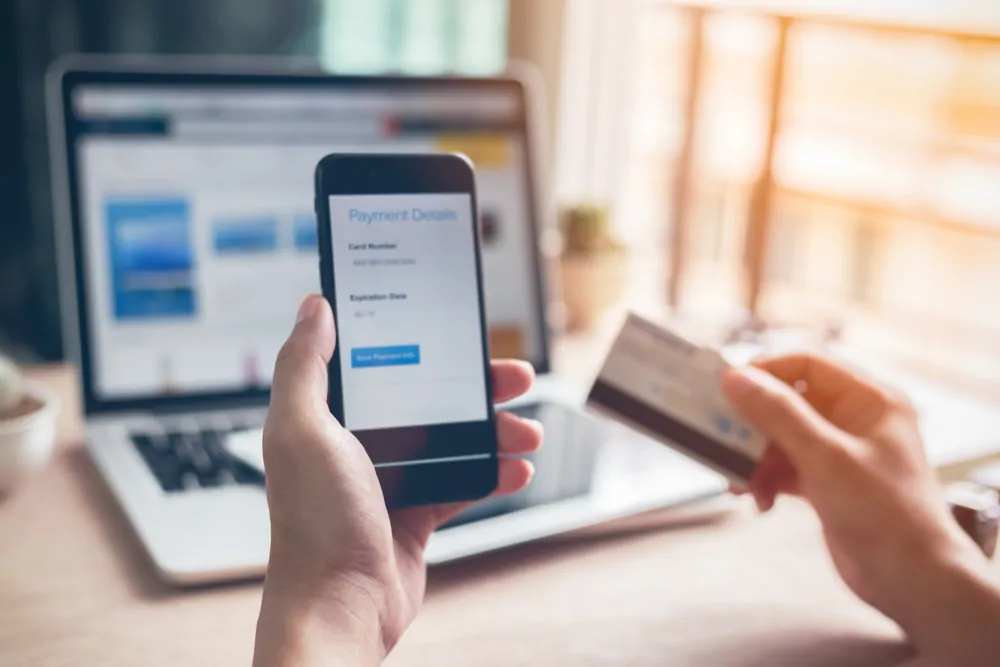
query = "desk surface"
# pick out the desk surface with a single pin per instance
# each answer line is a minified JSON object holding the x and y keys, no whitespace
{"x":76,"y":589}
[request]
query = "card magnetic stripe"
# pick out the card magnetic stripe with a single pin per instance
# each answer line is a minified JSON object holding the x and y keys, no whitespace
{"x":682,"y":435}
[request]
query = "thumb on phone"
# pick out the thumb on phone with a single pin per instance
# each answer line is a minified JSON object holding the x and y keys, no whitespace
{"x":299,"y":388}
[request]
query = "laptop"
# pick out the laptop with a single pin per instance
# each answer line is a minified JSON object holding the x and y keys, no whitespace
{"x":188,"y":239}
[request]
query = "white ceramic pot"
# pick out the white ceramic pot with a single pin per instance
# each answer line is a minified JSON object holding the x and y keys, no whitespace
{"x":27,"y":441}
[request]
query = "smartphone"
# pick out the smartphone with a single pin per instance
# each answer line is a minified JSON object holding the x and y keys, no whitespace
{"x":400,"y":264}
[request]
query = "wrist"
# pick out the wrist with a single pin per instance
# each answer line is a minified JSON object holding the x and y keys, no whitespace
{"x":333,"y":622}
{"x":949,"y":603}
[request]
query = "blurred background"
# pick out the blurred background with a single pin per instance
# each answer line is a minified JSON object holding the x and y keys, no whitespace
{"x":818,"y":164}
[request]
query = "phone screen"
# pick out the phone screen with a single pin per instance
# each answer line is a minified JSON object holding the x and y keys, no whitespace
{"x":407,"y":302}
{"x":401,"y":266}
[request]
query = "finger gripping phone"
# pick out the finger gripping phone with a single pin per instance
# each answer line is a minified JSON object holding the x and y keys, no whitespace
{"x":400,"y":265}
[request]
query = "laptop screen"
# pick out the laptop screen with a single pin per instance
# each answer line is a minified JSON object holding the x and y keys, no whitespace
{"x":193,"y":211}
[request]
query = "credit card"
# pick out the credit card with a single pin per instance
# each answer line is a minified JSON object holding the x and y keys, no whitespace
{"x":669,"y":388}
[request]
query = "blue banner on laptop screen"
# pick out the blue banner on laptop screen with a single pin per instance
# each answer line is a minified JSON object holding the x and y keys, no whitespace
{"x":152,"y":258}
{"x":304,"y":228}
{"x":245,"y":236}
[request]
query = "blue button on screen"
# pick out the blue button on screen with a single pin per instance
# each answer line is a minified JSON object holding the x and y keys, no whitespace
{"x":398,"y":355}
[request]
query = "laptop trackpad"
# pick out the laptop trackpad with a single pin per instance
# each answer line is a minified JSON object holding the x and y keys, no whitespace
{"x":564,"y":467}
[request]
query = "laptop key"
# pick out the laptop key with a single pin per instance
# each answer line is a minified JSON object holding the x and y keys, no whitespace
{"x":246,"y":475}
{"x":159,"y":442}
{"x":189,"y":480}
{"x":212,"y":443}
{"x":175,"y":442}
{"x":183,"y":447}
{"x":209,"y":479}
{"x":142,"y":442}
{"x":200,"y":458}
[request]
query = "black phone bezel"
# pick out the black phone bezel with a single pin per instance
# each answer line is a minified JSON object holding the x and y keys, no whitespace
{"x":419,"y":484}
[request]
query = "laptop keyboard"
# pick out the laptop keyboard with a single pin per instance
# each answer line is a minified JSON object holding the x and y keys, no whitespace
{"x":192,"y":459}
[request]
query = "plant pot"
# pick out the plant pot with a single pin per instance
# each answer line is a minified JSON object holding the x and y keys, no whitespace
{"x":590,"y":285}
{"x":28,"y":437}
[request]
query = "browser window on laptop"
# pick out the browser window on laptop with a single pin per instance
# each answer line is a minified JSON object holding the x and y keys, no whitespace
{"x":200,"y":232}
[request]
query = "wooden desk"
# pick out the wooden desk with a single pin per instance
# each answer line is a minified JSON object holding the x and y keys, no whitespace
{"x":75,"y":589}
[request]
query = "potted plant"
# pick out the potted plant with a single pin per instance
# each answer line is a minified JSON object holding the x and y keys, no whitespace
{"x":592,"y":265}
{"x":27,"y":425}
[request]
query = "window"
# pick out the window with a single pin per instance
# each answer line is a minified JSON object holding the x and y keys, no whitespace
{"x":896,"y":177}
{"x":415,"y":36}
{"x":868,"y":153}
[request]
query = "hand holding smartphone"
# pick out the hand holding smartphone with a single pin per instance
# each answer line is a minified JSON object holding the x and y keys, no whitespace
{"x":400,"y":265}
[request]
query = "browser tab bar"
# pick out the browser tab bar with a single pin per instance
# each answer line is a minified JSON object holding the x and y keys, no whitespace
{"x":112,"y":100}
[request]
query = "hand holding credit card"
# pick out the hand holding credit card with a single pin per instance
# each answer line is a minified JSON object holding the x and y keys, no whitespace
{"x":669,"y":388}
